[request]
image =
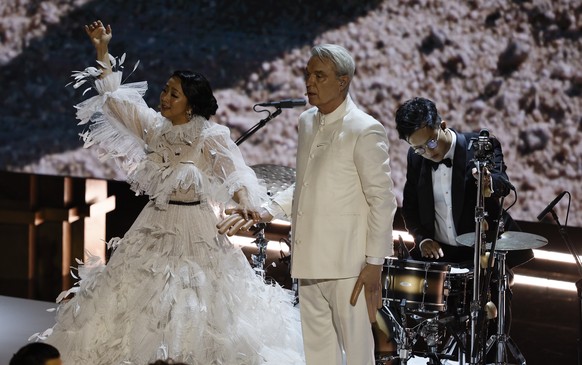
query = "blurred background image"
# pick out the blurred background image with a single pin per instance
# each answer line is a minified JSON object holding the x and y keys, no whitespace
{"x":513,"y":67}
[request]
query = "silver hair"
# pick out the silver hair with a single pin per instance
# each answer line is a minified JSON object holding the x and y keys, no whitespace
{"x":339,"y":56}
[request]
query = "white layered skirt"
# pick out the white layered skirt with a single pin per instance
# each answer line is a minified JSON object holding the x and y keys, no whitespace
{"x":176,"y":289}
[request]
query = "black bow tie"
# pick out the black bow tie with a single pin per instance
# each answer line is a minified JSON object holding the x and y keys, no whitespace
{"x":447,"y":162}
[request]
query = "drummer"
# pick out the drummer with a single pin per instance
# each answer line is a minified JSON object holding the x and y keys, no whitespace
{"x":440,"y":193}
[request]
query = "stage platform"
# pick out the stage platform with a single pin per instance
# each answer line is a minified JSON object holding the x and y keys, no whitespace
{"x":20,"y":318}
{"x":544,"y":326}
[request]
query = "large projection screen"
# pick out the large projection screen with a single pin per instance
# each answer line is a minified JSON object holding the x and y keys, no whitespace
{"x":513,"y":67}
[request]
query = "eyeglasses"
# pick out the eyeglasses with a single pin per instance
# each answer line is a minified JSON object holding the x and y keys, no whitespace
{"x":430,"y":144}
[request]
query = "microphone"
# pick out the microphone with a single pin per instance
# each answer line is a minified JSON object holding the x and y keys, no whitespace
{"x":285,"y":104}
{"x":551,"y":205}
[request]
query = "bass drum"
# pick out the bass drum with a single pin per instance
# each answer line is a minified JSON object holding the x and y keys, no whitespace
{"x":418,"y":285}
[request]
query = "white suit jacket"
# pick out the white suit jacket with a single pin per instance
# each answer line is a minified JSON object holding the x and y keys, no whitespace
{"x":342,"y":204}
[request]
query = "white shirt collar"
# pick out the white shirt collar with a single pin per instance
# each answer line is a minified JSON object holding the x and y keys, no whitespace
{"x":451,"y":152}
{"x":337,"y":114}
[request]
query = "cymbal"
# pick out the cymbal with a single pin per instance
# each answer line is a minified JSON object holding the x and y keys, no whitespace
{"x":508,"y":241}
{"x":277,"y":178}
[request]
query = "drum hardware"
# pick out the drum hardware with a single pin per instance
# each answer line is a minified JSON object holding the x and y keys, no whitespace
{"x":420,"y":302}
{"x":427,"y":326}
{"x":456,"y":319}
{"x":275,"y":177}
{"x":508,"y":241}
{"x":483,"y":153}
{"x":258,"y":260}
{"x":501,"y":339}
{"x":405,"y":337}
{"x":420,"y":283}
{"x":483,"y":157}
{"x":456,"y":340}
{"x":430,"y":332}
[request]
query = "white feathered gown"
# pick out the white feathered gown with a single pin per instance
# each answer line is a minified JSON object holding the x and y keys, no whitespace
{"x":173,"y":287}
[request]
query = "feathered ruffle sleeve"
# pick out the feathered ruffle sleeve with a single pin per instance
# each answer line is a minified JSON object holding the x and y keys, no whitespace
{"x":227,"y":166}
{"x":197,"y":160}
{"x":118,"y":121}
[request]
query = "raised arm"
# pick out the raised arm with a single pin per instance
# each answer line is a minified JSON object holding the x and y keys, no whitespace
{"x":100,"y":37}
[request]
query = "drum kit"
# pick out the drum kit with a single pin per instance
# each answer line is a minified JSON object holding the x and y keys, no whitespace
{"x":429,"y":308}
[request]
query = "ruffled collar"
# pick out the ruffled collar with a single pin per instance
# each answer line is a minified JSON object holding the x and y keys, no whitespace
{"x":183,"y":133}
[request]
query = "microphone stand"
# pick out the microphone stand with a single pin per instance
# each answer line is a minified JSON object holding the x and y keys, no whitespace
{"x":476,"y":303}
{"x":257,"y":126}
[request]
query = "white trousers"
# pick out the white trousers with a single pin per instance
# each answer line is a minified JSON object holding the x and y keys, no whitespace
{"x":334,"y":332}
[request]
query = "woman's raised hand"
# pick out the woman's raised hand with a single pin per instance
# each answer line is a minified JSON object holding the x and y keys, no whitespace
{"x":99,"y":34}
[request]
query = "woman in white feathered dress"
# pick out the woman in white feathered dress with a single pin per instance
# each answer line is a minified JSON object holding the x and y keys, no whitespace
{"x":173,"y":288}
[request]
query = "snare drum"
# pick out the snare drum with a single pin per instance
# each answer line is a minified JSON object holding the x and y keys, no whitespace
{"x":420,"y":284}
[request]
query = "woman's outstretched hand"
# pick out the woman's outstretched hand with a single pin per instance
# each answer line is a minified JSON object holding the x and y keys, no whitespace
{"x":99,"y":34}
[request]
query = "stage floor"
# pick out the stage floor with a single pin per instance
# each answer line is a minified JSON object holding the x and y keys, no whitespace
{"x":542,"y":338}
{"x":544,"y":325}
{"x":20,"y":318}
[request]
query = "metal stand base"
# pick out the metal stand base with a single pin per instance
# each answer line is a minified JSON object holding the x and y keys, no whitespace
{"x":430,"y":329}
{"x":501,"y":340}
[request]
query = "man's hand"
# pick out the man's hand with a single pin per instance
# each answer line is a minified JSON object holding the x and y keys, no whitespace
{"x":487,"y":180}
{"x":370,"y":279}
{"x":431,"y":249}
{"x":239,"y":220}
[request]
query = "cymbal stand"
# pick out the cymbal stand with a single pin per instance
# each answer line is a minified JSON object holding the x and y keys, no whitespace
{"x":502,"y":339}
{"x":258,"y":260}
{"x":476,"y":308}
{"x":483,"y":156}
{"x":455,"y":342}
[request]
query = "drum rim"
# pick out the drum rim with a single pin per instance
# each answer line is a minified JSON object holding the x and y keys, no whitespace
{"x":420,"y":265}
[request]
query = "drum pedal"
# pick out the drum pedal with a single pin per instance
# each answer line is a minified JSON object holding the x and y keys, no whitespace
{"x":387,"y":359}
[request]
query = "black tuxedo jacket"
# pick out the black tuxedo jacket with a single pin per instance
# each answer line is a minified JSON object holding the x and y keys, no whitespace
{"x":418,"y":202}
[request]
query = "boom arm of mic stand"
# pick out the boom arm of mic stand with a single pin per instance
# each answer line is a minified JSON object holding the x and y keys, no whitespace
{"x":257,"y":126}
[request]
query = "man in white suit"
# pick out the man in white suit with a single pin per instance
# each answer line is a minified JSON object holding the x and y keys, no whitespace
{"x":342,"y":207}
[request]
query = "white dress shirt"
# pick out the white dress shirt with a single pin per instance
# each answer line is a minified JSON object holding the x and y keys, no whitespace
{"x":442,"y":177}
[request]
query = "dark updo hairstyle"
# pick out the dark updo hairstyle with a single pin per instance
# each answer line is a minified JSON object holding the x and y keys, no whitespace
{"x":198,"y":92}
